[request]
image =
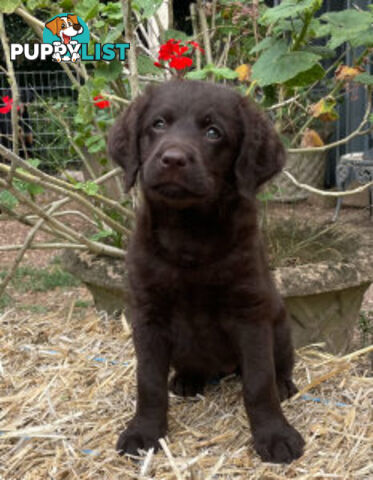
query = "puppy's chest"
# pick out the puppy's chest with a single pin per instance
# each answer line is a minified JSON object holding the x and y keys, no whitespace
{"x":198,"y":339}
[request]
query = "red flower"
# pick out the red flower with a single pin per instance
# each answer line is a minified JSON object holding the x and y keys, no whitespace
{"x":173,"y":52}
{"x":168,"y":49}
{"x":179,"y":63}
{"x":100,"y":102}
{"x":196,"y":46}
{"x":7,"y":105}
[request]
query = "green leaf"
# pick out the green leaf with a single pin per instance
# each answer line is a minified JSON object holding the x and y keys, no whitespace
{"x":34,"y":162}
{"x":87,"y":9}
{"x":290,"y":9}
{"x":8,"y":200}
{"x":146,"y":8}
{"x":113,"y":11}
{"x":146,"y":66}
{"x":308,"y":77}
{"x":324,"y":52}
{"x":34,"y":189}
{"x":176,"y":34}
{"x":264,"y":44}
{"x":364,"y":78}
{"x":90,"y":188}
{"x":66,"y":5}
{"x":85,"y":104}
{"x":348,"y":19}
{"x":93,"y":139}
{"x":224,"y":72}
{"x":109,"y":71}
{"x":35,"y":4}
{"x":8,"y":6}
{"x":97,"y":146}
{"x":197,"y":74}
{"x":101,"y":234}
{"x":348,"y":26}
{"x":113,"y":34}
{"x":362,"y":38}
{"x":277,"y":65}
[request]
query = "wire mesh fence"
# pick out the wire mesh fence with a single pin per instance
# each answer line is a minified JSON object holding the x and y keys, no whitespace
{"x":42,"y":93}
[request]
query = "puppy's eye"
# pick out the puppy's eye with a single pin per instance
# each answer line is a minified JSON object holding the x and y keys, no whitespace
{"x":213,"y":133}
{"x":159,"y":124}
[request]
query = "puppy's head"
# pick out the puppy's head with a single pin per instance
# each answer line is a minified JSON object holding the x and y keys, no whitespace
{"x":192,"y":141}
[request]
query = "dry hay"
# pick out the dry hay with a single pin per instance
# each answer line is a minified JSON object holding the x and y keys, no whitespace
{"x":67,"y":388}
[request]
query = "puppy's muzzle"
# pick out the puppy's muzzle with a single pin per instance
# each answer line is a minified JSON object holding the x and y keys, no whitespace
{"x":174,"y":158}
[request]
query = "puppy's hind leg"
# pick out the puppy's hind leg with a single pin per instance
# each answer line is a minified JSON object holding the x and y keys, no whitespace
{"x":283,"y":356}
{"x":187,"y":384}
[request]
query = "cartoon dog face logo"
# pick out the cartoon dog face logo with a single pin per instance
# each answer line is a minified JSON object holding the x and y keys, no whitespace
{"x":66,"y":28}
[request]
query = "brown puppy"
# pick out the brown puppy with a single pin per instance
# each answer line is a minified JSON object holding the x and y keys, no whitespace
{"x":203,"y":298}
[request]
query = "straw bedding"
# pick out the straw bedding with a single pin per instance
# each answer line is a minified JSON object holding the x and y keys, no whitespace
{"x":67,"y":387}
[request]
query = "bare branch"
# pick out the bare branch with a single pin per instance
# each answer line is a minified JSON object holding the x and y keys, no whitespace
{"x":13,"y":86}
{"x":62,"y":186}
{"x":205,"y":31}
{"x":93,"y":246}
{"x":22,"y":251}
{"x":324,"y":193}
{"x":130,"y":38}
{"x":45,"y":246}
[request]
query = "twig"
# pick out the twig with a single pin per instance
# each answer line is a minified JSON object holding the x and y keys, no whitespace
{"x":74,"y":195}
{"x":13,"y":86}
{"x":28,"y":222}
{"x":130,"y":38}
{"x":45,"y":246}
{"x":23,"y":249}
{"x":65,"y":186}
{"x":213,"y":19}
{"x":95,"y":247}
{"x":205,"y":31}
{"x":193,"y":16}
{"x":70,"y":138}
{"x":324,"y":193}
{"x":224,"y":56}
{"x":282,"y":104}
{"x":170,"y":459}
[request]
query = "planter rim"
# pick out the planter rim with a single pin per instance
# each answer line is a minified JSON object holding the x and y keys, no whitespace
{"x":314,"y":278}
{"x":306,"y":279}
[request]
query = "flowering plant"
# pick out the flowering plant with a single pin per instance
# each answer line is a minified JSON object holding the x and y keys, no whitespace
{"x":8,"y":102}
{"x":100,"y":102}
{"x":173,"y":52}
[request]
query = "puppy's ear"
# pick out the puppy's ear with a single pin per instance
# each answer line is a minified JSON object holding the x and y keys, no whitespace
{"x":54,"y":25}
{"x":262,"y":153}
{"x":73,"y":18}
{"x":123,"y":141}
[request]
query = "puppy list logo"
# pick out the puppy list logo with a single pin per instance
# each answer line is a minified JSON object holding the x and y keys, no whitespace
{"x":66,"y":39}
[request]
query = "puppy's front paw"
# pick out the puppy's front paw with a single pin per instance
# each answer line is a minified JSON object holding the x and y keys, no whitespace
{"x":137,"y":437}
{"x":281,"y":444}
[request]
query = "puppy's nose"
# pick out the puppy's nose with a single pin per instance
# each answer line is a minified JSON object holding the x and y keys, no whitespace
{"x":77,"y":27}
{"x":173,"y":158}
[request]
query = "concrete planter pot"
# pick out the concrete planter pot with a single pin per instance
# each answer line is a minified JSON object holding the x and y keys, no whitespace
{"x":307,"y":167}
{"x":323,"y":299}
